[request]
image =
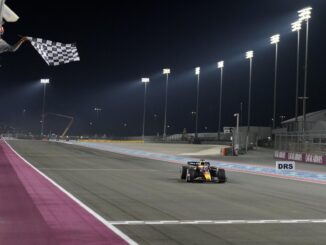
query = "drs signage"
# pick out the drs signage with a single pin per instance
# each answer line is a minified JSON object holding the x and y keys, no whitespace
{"x":285,"y":165}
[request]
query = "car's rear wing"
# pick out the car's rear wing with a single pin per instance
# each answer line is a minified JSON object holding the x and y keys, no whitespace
{"x":195,"y":163}
{"x":192,"y":163}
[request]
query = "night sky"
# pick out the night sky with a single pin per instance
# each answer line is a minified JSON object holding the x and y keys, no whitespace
{"x":121,"y":41}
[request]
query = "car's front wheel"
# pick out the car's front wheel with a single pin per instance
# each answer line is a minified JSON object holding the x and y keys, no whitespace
{"x":190,"y":175}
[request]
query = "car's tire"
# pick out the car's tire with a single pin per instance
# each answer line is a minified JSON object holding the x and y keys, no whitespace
{"x":214,"y":172}
{"x":184,"y":172}
{"x":221,"y":175}
{"x":190,"y":175}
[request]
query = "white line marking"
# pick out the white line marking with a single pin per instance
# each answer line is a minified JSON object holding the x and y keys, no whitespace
{"x":216,"y":222}
{"x":319,"y":221}
{"x":92,"y":212}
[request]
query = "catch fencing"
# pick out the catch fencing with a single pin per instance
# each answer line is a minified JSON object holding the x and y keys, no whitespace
{"x":308,"y":142}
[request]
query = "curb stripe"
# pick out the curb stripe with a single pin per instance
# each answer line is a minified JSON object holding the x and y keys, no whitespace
{"x":81,"y":204}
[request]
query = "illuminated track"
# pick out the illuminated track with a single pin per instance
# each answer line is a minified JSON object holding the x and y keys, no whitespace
{"x":145,"y":199}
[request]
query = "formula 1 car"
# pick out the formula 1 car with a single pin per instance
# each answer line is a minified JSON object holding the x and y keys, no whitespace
{"x":202,"y":171}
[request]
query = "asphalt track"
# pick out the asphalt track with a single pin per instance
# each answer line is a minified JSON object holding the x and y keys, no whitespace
{"x":122,"y":188}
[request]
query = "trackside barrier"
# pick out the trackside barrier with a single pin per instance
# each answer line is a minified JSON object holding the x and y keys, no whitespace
{"x":226,"y":151}
{"x":301,"y":157}
{"x":112,"y":141}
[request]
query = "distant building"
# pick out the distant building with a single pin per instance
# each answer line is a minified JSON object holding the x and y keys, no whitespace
{"x":315,"y":121}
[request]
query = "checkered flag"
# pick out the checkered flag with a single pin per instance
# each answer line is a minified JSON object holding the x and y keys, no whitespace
{"x":55,"y":53}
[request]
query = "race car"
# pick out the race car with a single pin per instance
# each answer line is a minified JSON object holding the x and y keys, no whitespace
{"x":202,"y":171}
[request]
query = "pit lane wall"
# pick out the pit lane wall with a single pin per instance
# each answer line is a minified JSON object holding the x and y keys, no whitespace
{"x":301,"y":157}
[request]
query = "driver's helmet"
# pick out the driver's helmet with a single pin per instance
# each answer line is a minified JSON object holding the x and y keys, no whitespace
{"x":202,"y":163}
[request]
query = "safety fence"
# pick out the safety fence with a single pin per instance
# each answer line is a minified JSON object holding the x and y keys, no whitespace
{"x":310,"y":142}
{"x":309,"y":146}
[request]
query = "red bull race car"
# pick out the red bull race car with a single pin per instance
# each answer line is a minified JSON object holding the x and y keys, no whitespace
{"x":203,"y":172}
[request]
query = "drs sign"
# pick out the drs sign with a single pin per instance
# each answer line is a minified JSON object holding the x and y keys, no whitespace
{"x":285,"y":165}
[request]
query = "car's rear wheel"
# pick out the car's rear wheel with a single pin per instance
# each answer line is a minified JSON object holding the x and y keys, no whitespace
{"x":221,"y":175}
{"x":184,"y":172}
{"x":190,"y":175}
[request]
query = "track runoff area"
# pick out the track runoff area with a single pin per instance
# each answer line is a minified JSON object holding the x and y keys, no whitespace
{"x":144,"y":201}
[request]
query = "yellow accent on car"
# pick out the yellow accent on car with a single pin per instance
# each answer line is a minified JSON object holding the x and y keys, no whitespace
{"x":207,"y":176}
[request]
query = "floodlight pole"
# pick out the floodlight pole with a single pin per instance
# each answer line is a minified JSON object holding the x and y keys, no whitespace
{"x":144,"y":114}
{"x":305,"y":78}
{"x":305,"y":15}
{"x":43,"y":109}
{"x":297,"y":78}
{"x":249,"y":104}
{"x":166,"y":72}
{"x":98,"y":110}
{"x":220,"y":105}
{"x":145,"y":81}
{"x":197,"y":103}
{"x":44,"y":82}
{"x":220,"y":65}
{"x":237,"y":139}
{"x":275,"y":85}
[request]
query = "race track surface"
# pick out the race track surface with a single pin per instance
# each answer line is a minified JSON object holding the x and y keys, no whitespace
{"x":249,"y":209}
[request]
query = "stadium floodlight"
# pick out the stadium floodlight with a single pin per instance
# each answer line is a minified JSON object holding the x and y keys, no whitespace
{"x":296,"y":26}
{"x":98,"y":110}
{"x":166,"y":71}
{"x":275,"y":39}
{"x":220,"y":64}
{"x":249,"y":54}
{"x":305,"y":14}
{"x":197,"y":70}
{"x":43,"y":81}
{"x":145,"y":80}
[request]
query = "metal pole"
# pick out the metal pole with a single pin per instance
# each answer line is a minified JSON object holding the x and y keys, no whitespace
{"x":238,"y":128}
{"x":166,"y":104}
{"x":275,"y":85}
{"x":305,"y":79}
{"x":237,"y":139}
{"x":241,"y":114}
{"x":144,"y":114}
{"x":297,"y":81}
{"x":196,"y":132}
{"x":220,"y":109}
{"x":249,"y":105}
{"x":43,"y":109}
